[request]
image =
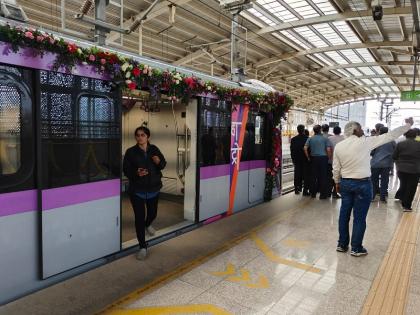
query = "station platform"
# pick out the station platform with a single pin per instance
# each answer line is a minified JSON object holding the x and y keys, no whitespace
{"x":276,"y":258}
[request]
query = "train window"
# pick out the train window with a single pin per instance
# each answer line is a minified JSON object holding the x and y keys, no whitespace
{"x":252,"y":148}
{"x":214,"y":132}
{"x":95,"y":115}
{"x":80,"y":130}
{"x":10,"y":129}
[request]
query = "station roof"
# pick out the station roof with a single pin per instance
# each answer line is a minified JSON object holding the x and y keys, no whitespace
{"x":320,"y":52}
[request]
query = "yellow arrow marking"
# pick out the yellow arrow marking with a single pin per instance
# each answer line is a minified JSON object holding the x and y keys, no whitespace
{"x":279,"y":260}
{"x":243,"y":278}
{"x":262,"y":283}
{"x":175,"y":309}
{"x":295,"y":243}
{"x":230,"y":270}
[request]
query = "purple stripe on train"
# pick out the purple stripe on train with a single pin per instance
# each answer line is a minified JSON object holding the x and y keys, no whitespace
{"x":25,"y":58}
{"x":71,"y":195}
{"x":223,"y":170}
{"x":18,"y":202}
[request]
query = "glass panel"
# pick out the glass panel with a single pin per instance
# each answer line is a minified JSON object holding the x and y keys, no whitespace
{"x":215,"y":132}
{"x":10,"y":130}
{"x":80,"y":135}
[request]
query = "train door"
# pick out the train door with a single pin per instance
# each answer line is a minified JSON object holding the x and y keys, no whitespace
{"x":173,"y":128}
{"x":19,"y":245}
{"x":78,"y":170}
{"x":250,"y":183}
{"x":256,"y":158}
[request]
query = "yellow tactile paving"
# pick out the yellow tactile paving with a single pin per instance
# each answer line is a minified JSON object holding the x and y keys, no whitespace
{"x":173,"y":310}
{"x":388,"y":293}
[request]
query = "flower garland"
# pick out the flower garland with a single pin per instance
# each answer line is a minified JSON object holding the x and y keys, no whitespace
{"x":134,"y":74}
{"x":273,"y":171}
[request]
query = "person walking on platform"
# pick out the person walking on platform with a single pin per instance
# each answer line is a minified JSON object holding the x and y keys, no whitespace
{"x":381,"y":165}
{"x":142,"y":165}
{"x":336,"y":138}
{"x":320,"y":151}
{"x":301,"y":164}
{"x":351,"y":171}
{"x":407,"y":158}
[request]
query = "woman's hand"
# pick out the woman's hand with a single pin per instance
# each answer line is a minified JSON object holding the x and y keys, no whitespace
{"x":156,"y":159}
{"x":142,"y":172}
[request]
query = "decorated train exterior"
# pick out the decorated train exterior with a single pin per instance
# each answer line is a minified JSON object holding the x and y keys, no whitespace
{"x":61,"y":134}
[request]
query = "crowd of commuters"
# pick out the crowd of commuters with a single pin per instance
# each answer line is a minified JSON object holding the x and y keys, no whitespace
{"x":312,"y":160}
{"x":356,"y":169}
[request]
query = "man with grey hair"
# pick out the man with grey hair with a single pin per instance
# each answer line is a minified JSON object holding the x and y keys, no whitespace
{"x":351,"y":172}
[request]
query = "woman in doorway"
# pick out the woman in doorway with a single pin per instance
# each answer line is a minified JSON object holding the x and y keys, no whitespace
{"x":142,"y":165}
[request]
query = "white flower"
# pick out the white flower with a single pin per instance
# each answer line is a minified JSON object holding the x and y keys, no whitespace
{"x":128,"y":75}
{"x":79,"y":51}
{"x":176,"y":81}
{"x":128,"y":81}
{"x":150,"y":73}
{"x":209,"y":88}
{"x":125,"y":66}
{"x":84,"y":63}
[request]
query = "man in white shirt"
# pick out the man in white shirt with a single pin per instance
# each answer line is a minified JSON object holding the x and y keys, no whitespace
{"x":351,"y":172}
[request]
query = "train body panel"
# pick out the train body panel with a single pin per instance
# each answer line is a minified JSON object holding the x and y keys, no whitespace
{"x":63,"y":205}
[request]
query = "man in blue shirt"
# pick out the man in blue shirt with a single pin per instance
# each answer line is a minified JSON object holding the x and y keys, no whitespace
{"x":381,"y":165}
{"x":320,"y":151}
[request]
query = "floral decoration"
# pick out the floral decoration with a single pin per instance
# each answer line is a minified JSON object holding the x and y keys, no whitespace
{"x":272,"y":175}
{"x":135,"y":75}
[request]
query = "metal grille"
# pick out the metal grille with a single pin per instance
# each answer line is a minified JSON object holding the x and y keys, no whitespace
{"x":56,"y":113}
{"x":95,"y":85}
{"x":13,"y":70}
{"x":57,"y":79}
{"x":96,"y":118}
{"x":10,"y":129}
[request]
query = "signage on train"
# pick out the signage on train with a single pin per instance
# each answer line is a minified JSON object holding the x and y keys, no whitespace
{"x":410,"y":96}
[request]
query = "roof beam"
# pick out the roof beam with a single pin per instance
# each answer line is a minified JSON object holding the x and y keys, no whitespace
{"x":345,"y":16}
{"x":350,"y":65}
{"x":282,"y":57}
{"x":159,"y":9}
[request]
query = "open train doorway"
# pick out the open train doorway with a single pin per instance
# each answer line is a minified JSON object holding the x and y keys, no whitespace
{"x":173,"y":129}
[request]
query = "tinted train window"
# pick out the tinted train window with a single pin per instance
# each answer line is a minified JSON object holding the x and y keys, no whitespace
{"x":10,"y":129}
{"x":80,"y":130}
{"x":253,"y":148}
{"x":215,"y":124}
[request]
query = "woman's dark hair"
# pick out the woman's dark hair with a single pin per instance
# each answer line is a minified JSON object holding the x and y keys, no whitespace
{"x":411,"y":134}
{"x":144,"y":129}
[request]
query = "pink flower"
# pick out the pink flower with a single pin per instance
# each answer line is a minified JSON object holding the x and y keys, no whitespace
{"x":92,"y":58}
{"x":103,"y":61}
{"x":29,"y":35}
{"x":52,"y":40}
{"x":40,"y":38}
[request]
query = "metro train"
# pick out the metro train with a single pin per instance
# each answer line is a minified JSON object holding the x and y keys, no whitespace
{"x":63,"y":205}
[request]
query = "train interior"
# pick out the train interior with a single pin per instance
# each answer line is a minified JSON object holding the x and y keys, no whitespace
{"x":173,"y":130}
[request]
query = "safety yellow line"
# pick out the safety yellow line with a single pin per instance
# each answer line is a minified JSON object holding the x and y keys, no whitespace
{"x":175,"y":309}
{"x":389,"y":291}
{"x":269,"y":253}
{"x":197,"y":262}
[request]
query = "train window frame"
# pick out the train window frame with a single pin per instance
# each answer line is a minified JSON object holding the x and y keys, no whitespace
{"x":18,"y":180}
{"x":217,"y":108}
{"x":77,"y":104}
{"x":113,"y":136}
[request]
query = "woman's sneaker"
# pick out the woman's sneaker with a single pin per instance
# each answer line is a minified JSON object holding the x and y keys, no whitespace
{"x":150,"y":230}
{"x":142,"y":254}
{"x":359,"y":252}
{"x":342,"y":249}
